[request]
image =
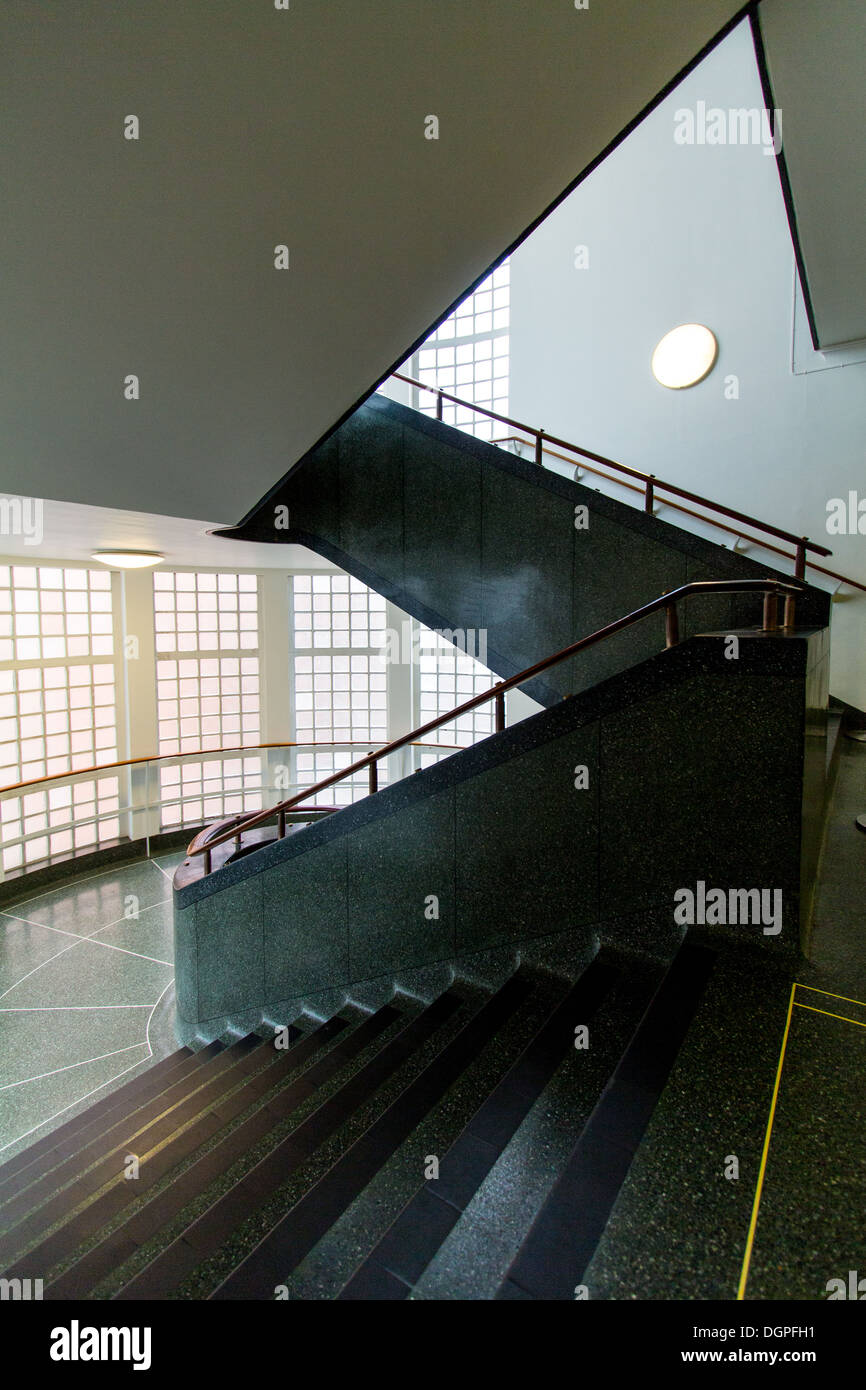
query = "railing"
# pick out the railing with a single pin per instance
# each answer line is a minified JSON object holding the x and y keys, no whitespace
{"x":210,"y":838}
{"x":127,"y":800}
{"x":650,"y":484}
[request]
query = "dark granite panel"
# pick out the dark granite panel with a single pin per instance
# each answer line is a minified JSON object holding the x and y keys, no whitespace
{"x":371,"y":492}
{"x":230,"y":950}
{"x":306,"y":937}
{"x":186,"y":962}
{"x":527,"y":544}
{"x":526,"y":844}
{"x":719,"y":803}
{"x":442,"y":488}
{"x":395,"y":866}
{"x":641,"y":568}
{"x":312,"y":497}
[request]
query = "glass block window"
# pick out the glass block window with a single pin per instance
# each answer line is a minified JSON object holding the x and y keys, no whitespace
{"x":207,"y":703}
{"x":63,"y":820}
{"x":205,"y":612}
{"x":334,"y":611}
{"x":468,"y":355}
{"x":51,"y":614}
{"x":197,"y":793}
{"x":339,"y":670}
{"x":448,"y":676}
{"x":313,"y":766}
{"x":54,"y":719}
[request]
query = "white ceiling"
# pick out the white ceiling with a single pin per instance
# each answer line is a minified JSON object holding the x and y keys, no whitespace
{"x":816,"y":57}
{"x":261,"y":127}
{"x":71,"y":531}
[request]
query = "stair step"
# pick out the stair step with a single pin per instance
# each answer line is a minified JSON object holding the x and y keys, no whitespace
{"x":80,"y":1278}
{"x":52,"y":1196}
{"x":208,"y":1231}
{"x":124,"y":1100}
{"x":309,"y":1219}
{"x":553,"y":1257}
{"x":391,"y":1269}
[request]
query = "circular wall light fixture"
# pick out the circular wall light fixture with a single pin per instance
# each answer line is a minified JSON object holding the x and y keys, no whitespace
{"x":685,"y":356}
{"x":128,"y":559}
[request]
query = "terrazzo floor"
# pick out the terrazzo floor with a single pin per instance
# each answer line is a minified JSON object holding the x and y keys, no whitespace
{"x":86,"y":993}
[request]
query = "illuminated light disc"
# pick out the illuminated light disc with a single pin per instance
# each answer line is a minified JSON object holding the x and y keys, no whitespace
{"x":128,"y":559}
{"x":685,"y":356}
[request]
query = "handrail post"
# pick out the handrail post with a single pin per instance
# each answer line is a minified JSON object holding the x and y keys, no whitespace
{"x":500,"y":711}
{"x":771,"y":611}
{"x":539,"y":447}
{"x":672,"y":625}
{"x":281,"y":825}
{"x":800,"y":562}
{"x":374,"y":777}
{"x":790,"y":610}
{"x":438,"y":403}
{"x":650,"y":494}
{"x":207,"y":863}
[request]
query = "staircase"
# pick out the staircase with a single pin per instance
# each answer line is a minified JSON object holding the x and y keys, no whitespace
{"x":304,"y":1170}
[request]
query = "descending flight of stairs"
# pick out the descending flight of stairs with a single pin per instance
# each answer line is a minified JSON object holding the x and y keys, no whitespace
{"x":305,"y":1170}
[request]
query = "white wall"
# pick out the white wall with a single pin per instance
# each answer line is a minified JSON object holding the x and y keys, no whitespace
{"x":675,"y":234}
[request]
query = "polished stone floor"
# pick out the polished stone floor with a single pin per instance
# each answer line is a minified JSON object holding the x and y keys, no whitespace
{"x":86,"y":993}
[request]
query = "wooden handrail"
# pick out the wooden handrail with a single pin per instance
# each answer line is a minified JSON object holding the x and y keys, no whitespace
{"x":688,"y":511}
{"x":650,"y":481}
{"x":99,"y":768}
{"x":206,"y":841}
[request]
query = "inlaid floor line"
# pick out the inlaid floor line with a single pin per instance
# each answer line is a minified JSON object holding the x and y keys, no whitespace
{"x":76,"y":879}
{"x":118,"y":1051}
{"x":157,"y":865}
{"x":827,"y":1014}
{"x":65,"y":1008}
{"x":72,"y":1104}
{"x":79,"y":938}
{"x":792,"y":1004}
{"x":846,"y":999}
{"x":56,"y":956}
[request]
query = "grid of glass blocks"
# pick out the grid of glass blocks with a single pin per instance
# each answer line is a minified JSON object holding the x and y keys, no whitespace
{"x":51,"y":614}
{"x":334,"y":611}
{"x":341,"y":698}
{"x":468,"y":355}
{"x":447,"y":677}
{"x":205,"y":612}
{"x":54,"y":719}
{"x":315,"y":765}
{"x":62,"y":820}
{"x":197,"y":793}
{"x":207,"y":703}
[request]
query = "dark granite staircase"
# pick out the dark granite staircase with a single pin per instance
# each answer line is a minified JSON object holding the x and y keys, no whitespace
{"x":305,"y":1171}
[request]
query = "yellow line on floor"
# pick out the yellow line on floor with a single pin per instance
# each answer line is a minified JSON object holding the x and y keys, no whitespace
{"x":827,"y":1014}
{"x":744,"y":1273}
{"x":844,"y":997}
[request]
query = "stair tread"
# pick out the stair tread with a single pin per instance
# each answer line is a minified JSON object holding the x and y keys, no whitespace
{"x":309,"y":1219}
{"x":84,"y":1172}
{"x":560,"y":1243}
{"x":410,"y":1243}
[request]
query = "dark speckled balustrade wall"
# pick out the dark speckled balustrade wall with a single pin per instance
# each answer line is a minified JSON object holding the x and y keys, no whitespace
{"x":462,"y":534}
{"x":697,"y":771}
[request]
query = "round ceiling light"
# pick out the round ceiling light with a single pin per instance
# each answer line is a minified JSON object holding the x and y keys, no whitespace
{"x":685,"y":356}
{"x":128,"y":559}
